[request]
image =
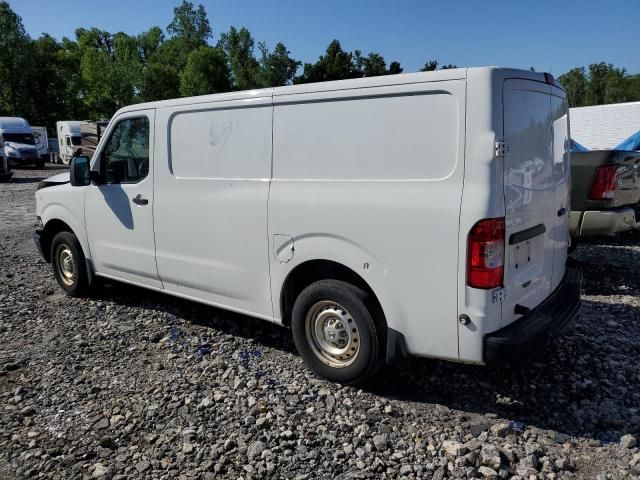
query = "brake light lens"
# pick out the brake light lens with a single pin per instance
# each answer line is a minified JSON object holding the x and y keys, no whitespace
{"x":603,"y":184}
{"x":485,"y":255}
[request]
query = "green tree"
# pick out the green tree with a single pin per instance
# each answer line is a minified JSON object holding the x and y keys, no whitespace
{"x":575,"y":84}
{"x":206,"y":72}
{"x":335,"y":64}
{"x":277,"y":68}
{"x":633,"y":87}
{"x":14,"y":61}
{"x":47,"y":87}
{"x":149,"y":43}
{"x":190,"y":24}
{"x":374,"y":65}
{"x":165,"y":59}
{"x":112,"y":70}
{"x":597,"y":86}
{"x":615,"y":90}
{"x":160,"y":76}
{"x":160,"y":81}
{"x":430,"y":66}
{"x":67,"y":62}
{"x":395,"y":68}
{"x":238,"y":46}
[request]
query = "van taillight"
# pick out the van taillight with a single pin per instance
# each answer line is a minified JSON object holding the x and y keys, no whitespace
{"x":603,"y":184}
{"x":485,"y":254}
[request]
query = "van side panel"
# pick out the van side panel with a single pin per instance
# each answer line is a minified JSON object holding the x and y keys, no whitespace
{"x":371,"y":178}
{"x":212,"y":183}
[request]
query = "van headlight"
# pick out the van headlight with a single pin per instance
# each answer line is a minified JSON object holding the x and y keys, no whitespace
{"x":11,"y":152}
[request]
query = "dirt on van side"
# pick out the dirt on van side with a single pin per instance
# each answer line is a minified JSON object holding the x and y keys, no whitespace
{"x":134,"y":384}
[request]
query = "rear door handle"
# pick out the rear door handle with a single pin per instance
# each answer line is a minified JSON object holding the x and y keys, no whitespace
{"x":562,"y":211}
{"x":138,"y":200}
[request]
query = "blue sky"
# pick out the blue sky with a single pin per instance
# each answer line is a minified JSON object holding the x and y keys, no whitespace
{"x":549,"y":35}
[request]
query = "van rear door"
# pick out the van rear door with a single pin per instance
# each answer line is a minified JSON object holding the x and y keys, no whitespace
{"x":536,"y":194}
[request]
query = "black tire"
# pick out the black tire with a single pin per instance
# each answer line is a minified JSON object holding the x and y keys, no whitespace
{"x":358,"y":307}
{"x":63,"y":244}
{"x":40,"y":164}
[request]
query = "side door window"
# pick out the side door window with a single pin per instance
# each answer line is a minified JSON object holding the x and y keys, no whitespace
{"x":125,"y":157}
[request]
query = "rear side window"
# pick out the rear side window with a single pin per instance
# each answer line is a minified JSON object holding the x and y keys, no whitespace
{"x":125,"y":158}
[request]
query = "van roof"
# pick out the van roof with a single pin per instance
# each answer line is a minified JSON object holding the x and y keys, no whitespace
{"x":367,"y":82}
{"x":17,"y":124}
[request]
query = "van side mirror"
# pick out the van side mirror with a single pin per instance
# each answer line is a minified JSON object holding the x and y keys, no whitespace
{"x":79,"y":173}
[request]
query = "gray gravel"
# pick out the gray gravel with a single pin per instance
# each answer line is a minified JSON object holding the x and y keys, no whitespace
{"x":133,"y":384}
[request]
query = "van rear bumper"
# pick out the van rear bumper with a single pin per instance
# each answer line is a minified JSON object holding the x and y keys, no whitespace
{"x":533,"y":329}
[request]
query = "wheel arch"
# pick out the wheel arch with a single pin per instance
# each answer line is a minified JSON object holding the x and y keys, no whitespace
{"x":305,"y":273}
{"x":50,"y":230}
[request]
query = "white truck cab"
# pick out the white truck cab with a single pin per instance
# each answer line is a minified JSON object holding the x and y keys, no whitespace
{"x":18,"y":144}
{"x":69,"y":140}
{"x":419,"y":214}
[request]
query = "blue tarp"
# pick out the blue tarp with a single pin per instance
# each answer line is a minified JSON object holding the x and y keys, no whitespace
{"x":631,"y":143}
{"x":576,"y":147}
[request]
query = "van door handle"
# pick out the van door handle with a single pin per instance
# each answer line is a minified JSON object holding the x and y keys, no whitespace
{"x":562,"y":211}
{"x":138,"y":200}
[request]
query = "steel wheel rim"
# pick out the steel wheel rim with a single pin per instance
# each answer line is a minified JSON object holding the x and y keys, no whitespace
{"x":332,"y":334}
{"x":66,"y":265}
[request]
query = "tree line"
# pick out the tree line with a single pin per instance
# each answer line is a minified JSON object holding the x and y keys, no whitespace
{"x":91,"y":76}
{"x":599,"y":84}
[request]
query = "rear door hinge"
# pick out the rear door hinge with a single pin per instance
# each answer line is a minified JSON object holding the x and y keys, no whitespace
{"x":502,"y":148}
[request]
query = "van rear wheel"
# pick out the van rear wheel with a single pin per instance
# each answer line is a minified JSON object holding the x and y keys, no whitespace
{"x":68,"y":263}
{"x":335,"y":332}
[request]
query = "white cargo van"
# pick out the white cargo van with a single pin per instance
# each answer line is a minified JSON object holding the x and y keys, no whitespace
{"x":420,"y":214}
{"x":19,"y":146}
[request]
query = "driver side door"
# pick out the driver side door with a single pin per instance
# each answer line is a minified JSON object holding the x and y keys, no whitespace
{"x":119,"y":209}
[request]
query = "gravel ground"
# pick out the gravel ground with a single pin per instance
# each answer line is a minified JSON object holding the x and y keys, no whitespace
{"x":134,"y":384}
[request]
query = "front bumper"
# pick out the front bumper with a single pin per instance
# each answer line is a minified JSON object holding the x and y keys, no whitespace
{"x":603,"y":222}
{"x":23,"y":160}
{"x":533,"y":329}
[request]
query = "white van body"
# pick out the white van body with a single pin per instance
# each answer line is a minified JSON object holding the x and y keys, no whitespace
{"x":18,"y":144}
{"x":382,"y":179}
{"x":42,"y":141}
{"x":69,"y":139}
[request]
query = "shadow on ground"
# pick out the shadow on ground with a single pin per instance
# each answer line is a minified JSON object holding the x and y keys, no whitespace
{"x":26,"y":179}
{"x":577,"y":385}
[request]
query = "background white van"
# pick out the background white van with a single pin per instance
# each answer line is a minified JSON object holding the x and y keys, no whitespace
{"x":422,"y":214}
{"x":19,"y":146}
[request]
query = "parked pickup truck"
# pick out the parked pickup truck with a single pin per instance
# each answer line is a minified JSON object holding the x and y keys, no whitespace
{"x":605,"y":198}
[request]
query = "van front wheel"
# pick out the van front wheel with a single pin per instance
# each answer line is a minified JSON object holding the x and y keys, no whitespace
{"x":68,"y":264}
{"x":335,"y":332}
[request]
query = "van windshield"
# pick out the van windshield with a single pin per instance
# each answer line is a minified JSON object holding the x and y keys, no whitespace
{"x":19,"y":138}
